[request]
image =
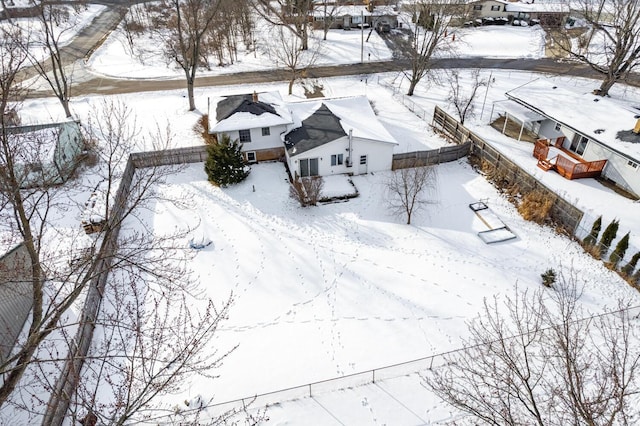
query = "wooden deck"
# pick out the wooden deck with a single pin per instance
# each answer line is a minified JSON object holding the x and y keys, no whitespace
{"x":566,"y":163}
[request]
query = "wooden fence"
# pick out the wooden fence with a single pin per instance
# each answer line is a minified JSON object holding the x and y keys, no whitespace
{"x":563,"y":212}
{"x":431,"y":157}
{"x":466,"y":142}
{"x":70,"y":375}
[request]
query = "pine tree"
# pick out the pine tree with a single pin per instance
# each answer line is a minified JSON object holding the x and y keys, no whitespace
{"x":620,"y":251}
{"x":225,"y":164}
{"x":590,"y":240}
{"x":608,"y":236}
{"x":631,"y":266}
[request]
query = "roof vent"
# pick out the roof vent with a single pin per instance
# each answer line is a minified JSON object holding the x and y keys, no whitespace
{"x":554,"y":87}
{"x":596,"y":100}
{"x":255,"y":96}
{"x":598,"y":131}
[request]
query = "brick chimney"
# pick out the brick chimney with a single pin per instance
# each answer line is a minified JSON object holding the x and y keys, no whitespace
{"x":255,"y":96}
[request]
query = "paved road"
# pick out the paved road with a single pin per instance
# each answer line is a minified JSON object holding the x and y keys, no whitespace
{"x":105,"y":85}
{"x":91,"y":37}
{"x":86,"y":41}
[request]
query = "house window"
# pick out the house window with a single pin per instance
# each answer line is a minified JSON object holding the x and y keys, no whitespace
{"x":245,"y":136}
{"x":632,"y":164}
{"x":251,"y":157}
{"x":477,"y":7}
{"x":266,"y":131}
{"x":578,"y":144}
{"x":558,"y":127}
{"x":336,"y":160}
{"x":496,"y":7}
{"x":309,"y":167}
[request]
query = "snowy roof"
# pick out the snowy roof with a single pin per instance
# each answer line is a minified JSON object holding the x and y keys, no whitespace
{"x":238,"y":112}
{"x":538,"y":7}
{"x":600,"y":119}
{"x":520,"y":112}
{"x":321,"y":121}
{"x":38,"y":142}
{"x":353,"y":10}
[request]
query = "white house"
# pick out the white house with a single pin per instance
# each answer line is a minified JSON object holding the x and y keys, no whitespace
{"x":585,"y":127}
{"x":256,"y":120}
{"x":544,"y":12}
{"x":335,"y":136}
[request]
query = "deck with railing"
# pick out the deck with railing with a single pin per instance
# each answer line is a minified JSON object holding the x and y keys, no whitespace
{"x":566,"y":163}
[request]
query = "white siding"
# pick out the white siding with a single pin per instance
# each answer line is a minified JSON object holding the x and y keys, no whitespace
{"x":617,"y":168}
{"x":548,"y":130}
{"x":258,"y":141}
{"x":379,"y":156}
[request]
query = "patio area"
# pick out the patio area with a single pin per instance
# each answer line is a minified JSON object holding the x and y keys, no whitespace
{"x":551,"y":156}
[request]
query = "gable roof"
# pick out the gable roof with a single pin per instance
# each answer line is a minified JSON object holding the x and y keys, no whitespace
{"x":241,"y":103}
{"x":600,"y":119}
{"x":238,"y":112}
{"x":319,"y":122}
{"x":318,"y":129}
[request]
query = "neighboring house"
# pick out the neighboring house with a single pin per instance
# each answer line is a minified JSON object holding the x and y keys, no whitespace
{"x":353,"y":16}
{"x":335,"y":136}
{"x":16,"y":297}
{"x":545,"y":13}
{"x":583,"y":134}
{"x":256,"y":120}
{"x":49,"y":153}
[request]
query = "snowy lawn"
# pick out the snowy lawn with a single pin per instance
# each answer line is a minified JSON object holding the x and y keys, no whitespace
{"x":115,"y":57}
{"x":341,"y":288}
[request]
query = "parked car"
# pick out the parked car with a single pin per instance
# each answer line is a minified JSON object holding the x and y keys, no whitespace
{"x":383,"y":27}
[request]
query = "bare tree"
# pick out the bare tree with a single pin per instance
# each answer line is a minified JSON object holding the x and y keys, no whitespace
{"x":63,"y":262}
{"x":429,"y":36}
{"x":290,"y":14}
{"x":461,"y":96}
{"x":54,"y":20}
{"x":190,"y":22}
{"x":329,"y":16}
{"x":409,"y":187}
{"x":611,"y":45}
{"x":543,"y":361}
{"x":307,"y":190}
{"x":286,"y":50}
{"x":151,"y":342}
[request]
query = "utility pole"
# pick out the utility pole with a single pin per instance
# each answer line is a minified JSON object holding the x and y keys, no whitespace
{"x":485,"y":94}
{"x":362,"y":36}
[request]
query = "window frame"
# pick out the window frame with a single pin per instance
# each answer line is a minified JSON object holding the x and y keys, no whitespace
{"x":310,"y":163}
{"x":266,"y":131}
{"x":253,"y":153}
{"x":244,"y":134}
{"x":495,"y":8}
{"x":337,"y":160}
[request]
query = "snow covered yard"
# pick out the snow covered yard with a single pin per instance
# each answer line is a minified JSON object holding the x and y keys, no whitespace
{"x":341,"y":288}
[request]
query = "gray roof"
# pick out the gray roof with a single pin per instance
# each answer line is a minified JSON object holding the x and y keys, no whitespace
{"x":241,"y":103}
{"x":16,"y":296}
{"x":319,"y":128}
